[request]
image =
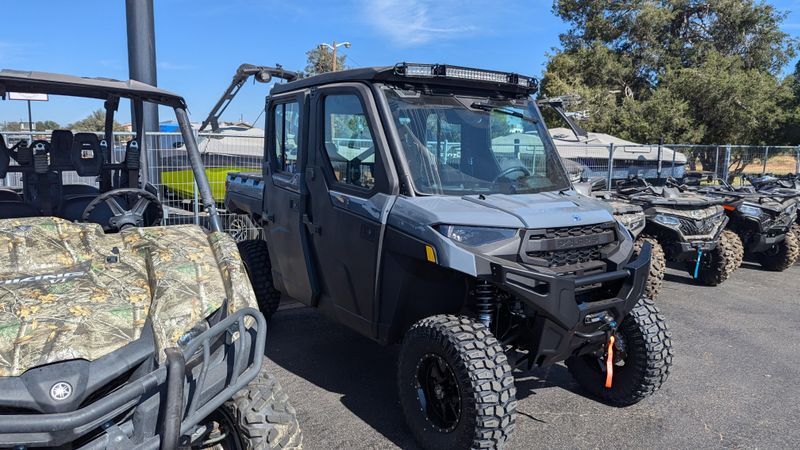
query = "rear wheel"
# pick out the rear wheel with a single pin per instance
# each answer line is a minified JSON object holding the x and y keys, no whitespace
{"x":658,"y":264}
{"x":255,"y":256}
{"x":642,"y":359}
{"x":784,"y":254}
{"x":258,"y":417}
{"x":720,"y":263}
{"x":455,"y":385}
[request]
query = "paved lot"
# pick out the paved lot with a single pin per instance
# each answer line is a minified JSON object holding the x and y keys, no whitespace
{"x":734,"y":382}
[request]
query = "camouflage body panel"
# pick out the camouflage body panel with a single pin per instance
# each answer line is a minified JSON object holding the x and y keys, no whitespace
{"x":68,"y":291}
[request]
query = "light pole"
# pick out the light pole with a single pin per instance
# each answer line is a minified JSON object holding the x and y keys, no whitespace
{"x":333,"y":48}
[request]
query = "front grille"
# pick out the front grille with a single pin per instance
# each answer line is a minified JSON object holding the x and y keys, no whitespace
{"x":555,"y":247}
{"x":692,"y":227}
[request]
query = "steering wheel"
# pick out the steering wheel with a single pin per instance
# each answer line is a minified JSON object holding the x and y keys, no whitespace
{"x":504,"y":173}
{"x":125,"y":218}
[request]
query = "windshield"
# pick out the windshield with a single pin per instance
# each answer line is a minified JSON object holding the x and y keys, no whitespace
{"x":467,"y":145}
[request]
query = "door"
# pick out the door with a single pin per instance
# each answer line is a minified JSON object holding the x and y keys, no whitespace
{"x":284,"y":196}
{"x":349,"y":190}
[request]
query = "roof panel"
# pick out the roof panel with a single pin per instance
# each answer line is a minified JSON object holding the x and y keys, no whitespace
{"x":58,"y":84}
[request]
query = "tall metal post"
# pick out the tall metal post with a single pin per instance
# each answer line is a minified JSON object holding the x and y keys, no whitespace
{"x":716,"y":166}
{"x":142,"y":67}
{"x":30,"y":121}
{"x":766,"y":157}
{"x":660,"y":149}
{"x":610,"y":164}
{"x":727,"y":164}
{"x":797,"y":161}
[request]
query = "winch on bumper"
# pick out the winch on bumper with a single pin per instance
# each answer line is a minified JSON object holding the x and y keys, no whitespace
{"x":562,"y":325}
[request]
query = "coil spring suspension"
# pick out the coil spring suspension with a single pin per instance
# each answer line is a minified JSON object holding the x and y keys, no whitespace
{"x":485,"y":302}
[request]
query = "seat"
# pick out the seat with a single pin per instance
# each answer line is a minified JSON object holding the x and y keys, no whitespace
{"x":62,"y":154}
{"x":86,"y":158}
{"x":11,"y":204}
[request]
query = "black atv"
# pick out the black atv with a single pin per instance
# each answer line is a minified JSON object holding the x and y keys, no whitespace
{"x":632,"y":217}
{"x":765,"y":222}
{"x":688,"y":225}
{"x":786,"y":186}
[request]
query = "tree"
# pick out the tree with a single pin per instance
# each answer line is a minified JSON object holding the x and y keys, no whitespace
{"x":96,"y":121}
{"x":11,"y":126}
{"x":44,"y":125}
{"x":694,"y":71}
{"x":320,"y":60}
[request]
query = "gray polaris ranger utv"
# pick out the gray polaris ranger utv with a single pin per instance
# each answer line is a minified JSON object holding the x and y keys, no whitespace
{"x":395,"y":201}
{"x":117,"y":333}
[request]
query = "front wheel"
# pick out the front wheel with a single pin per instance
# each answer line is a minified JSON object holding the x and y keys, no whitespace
{"x":658,"y":264}
{"x":642,"y":359}
{"x":783,"y":254}
{"x":721,"y":262}
{"x":258,"y":417}
{"x":455,"y":385}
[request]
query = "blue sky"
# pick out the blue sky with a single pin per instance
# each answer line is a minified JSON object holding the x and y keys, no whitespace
{"x":199,"y":43}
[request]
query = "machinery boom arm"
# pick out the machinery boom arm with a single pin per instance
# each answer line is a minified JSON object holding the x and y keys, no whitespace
{"x":262,"y":74}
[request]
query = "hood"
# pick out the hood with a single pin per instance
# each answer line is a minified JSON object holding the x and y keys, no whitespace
{"x":543,"y":210}
{"x":69,"y":291}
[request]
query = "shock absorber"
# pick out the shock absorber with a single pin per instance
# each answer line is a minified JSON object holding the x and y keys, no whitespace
{"x":485,"y":302}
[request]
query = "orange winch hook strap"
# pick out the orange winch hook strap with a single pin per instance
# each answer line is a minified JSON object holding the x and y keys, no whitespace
{"x":610,"y":362}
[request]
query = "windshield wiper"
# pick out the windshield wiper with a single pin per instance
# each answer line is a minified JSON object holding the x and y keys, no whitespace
{"x":501,"y":110}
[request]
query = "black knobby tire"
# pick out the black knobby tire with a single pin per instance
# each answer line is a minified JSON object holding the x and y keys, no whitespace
{"x":784,"y":254}
{"x":720,"y":263}
{"x":255,"y":256}
{"x":658,"y":264}
{"x":264,"y":417}
{"x":646,"y":342}
{"x":485,"y":394}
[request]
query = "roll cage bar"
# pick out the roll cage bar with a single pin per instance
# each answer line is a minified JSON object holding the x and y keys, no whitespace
{"x":111,"y":91}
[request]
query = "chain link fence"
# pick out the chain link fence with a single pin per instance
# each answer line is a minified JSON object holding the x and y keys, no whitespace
{"x":691,"y":163}
{"x":170,"y":172}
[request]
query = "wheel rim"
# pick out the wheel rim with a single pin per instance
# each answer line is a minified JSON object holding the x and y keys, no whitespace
{"x":221,"y":433}
{"x":438,"y":392}
{"x":239,"y":229}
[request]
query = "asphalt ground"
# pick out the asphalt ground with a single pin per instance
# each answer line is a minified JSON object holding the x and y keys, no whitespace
{"x":734,"y":381}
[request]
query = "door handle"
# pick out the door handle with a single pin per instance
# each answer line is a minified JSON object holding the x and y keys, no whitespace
{"x":310,"y":225}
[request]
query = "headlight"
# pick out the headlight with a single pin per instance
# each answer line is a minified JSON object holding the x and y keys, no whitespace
{"x":791,"y":209}
{"x":669,"y":221}
{"x":476,"y":236}
{"x":752,"y":211}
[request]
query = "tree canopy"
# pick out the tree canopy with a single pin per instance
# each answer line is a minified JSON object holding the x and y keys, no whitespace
{"x":41,"y":125}
{"x":688,"y":71}
{"x":96,"y":121}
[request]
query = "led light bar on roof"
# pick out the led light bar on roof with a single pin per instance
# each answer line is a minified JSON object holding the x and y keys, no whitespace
{"x":463,"y":73}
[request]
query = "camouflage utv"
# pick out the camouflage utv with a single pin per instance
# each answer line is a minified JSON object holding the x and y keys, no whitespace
{"x":115,"y":332}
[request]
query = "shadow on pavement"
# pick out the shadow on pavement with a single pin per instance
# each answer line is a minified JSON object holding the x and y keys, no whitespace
{"x":336,"y":359}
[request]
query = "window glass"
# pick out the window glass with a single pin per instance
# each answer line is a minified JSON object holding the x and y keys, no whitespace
{"x":287,"y":125}
{"x":468,"y":145}
{"x":348,"y":141}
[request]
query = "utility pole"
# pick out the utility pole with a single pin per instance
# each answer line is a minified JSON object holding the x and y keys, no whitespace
{"x":333,"y":49}
{"x":142,"y":67}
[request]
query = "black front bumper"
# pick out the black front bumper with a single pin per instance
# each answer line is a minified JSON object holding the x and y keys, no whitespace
{"x":560,"y":327}
{"x":770,"y":233}
{"x":189,"y":396}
